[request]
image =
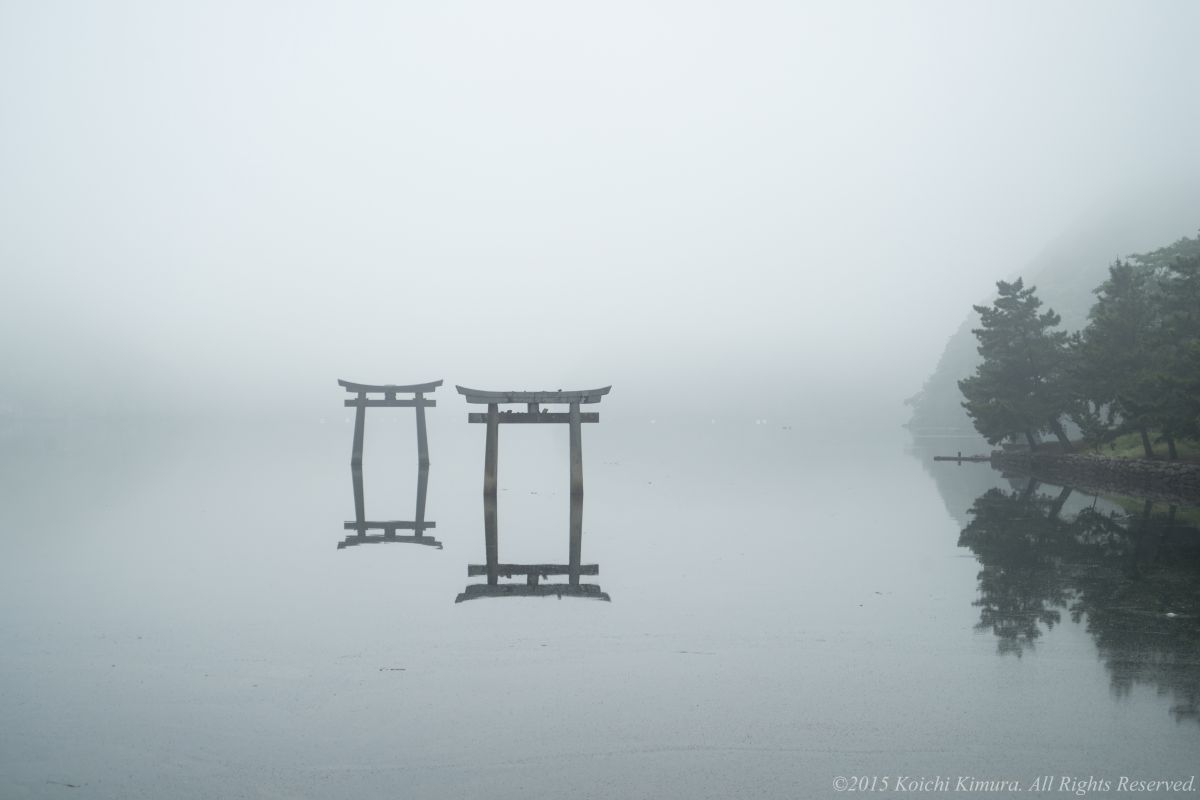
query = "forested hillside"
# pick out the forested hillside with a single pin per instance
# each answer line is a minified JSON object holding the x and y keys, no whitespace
{"x":1065,"y":275}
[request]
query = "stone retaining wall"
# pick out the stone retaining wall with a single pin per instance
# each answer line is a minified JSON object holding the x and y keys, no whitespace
{"x":1173,"y":481}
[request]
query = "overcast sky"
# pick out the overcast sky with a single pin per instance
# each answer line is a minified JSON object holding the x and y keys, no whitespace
{"x":525,"y":195}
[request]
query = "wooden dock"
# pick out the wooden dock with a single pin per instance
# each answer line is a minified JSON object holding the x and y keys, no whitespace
{"x":960,"y":458}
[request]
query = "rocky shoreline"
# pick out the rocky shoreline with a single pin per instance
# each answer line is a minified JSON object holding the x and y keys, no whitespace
{"x":1170,"y":481}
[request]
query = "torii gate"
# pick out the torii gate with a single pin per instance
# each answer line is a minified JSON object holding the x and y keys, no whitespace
{"x":389,"y":392}
{"x":533,"y":414}
{"x":361,"y":524}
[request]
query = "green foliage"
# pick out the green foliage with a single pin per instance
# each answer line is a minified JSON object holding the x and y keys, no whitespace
{"x":1019,"y":387}
{"x":1129,"y":445}
{"x":1132,"y":574}
{"x":1179,"y":382}
{"x":1135,"y":367}
{"x":1116,"y":362}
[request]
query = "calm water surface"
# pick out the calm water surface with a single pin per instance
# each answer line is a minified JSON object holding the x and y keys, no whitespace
{"x":177,"y":620}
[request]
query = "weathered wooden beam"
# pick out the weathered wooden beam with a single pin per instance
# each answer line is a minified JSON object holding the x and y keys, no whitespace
{"x":576,"y":396}
{"x":354,"y":541}
{"x":422,"y":493}
{"x":360,"y":508}
{"x":576,"y":524}
{"x":369,"y":402}
{"x":387,"y":525}
{"x":526,"y":417}
{"x":544,"y":570}
{"x":491,"y":538}
{"x":356,"y":449}
{"x":358,"y":388}
{"x":422,"y":438}
{"x":478,"y":590}
{"x":491,"y":447}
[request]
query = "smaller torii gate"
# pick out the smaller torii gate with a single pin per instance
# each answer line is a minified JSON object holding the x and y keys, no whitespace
{"x":361,"y":524}
{"x":533,"y":414}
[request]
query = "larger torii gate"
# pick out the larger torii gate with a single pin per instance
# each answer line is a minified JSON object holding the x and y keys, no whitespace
{"x":533,"y":414}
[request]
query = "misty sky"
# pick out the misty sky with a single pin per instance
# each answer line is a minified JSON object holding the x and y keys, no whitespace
{"x":233,"y":199}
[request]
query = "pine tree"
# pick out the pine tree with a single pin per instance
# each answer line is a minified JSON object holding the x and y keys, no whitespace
{"x":1020,"y":387}
{"x":1117,"y":363}
{"x":1180,"y":347}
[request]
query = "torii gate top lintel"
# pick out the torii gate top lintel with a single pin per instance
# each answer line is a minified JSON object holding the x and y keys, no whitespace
{"x":417,"y":388}
{"x":558,"y":396}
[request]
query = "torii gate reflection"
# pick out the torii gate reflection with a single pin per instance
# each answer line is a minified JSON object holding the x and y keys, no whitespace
{"x":533,"y":573}
{"x":361,"y":524}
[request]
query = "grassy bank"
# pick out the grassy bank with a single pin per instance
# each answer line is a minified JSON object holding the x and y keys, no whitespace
{"x":1130,"y":446}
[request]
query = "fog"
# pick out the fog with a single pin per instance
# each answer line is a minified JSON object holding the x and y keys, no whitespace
{"x":758,"y":222}
{"x":226,"y":206}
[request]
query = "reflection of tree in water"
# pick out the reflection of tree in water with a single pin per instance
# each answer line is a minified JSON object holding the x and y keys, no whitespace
{"x":1018,"y":539}
{"x":1145,"y":611}
{"x":1134,"y":577}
